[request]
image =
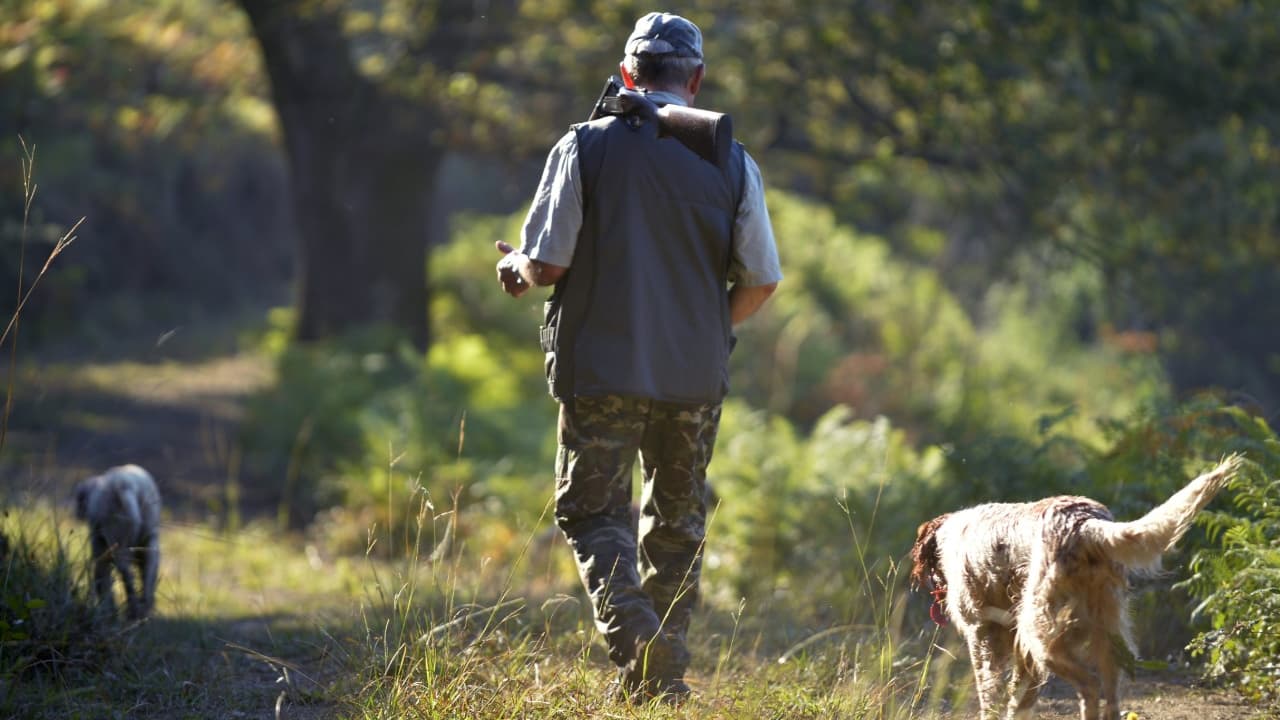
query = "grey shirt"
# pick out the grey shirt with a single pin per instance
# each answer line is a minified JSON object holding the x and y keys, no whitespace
{"x":550,"y":231}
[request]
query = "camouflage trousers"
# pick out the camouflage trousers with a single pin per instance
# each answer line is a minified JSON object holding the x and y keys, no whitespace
{"x":642,"y":578}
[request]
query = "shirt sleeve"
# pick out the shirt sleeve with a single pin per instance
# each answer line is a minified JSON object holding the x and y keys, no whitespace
{"x":755,"y":252}
{"x":550,"y":231}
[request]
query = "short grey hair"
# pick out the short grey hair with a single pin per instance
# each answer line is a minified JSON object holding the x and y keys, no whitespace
{"x":658,"y":72}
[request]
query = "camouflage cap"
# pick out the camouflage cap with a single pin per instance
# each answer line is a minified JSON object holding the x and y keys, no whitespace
{"x":663,"y":33}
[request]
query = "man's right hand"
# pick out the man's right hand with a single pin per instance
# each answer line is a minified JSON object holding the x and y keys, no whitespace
{"x":518,"y":272}
{"x":509,"y":267}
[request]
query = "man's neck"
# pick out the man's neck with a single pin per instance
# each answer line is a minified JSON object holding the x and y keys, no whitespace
{"x":669,"y":96}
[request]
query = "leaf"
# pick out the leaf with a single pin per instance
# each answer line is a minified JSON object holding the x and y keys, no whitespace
{"x":1124,"y":657}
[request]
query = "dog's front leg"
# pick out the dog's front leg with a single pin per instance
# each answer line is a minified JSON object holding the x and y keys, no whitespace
{"x":148,"y":560}
{"x":124,"y":563}
{"x":988,"y":666}
{"x":102,"y":573}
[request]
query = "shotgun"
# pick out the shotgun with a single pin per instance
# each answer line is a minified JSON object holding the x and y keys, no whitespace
{"x":707,"y":133}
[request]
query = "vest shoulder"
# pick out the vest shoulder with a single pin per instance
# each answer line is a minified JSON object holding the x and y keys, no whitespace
{"x":603,"y":123}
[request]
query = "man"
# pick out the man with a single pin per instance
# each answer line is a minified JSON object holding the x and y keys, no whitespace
{"x":655,"y":253}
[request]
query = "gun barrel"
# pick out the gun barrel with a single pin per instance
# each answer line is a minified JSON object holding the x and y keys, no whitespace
{"x":603,"y":106}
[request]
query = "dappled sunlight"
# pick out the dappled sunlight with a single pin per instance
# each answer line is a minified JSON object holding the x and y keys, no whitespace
{"x":1027,"y":249}
{"x":215,"y":385}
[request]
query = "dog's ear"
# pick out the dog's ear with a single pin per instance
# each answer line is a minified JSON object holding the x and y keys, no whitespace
{"x":81,"y":497}
{"x":924,"y":554}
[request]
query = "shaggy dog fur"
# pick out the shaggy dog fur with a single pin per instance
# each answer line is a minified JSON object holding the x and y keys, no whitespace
{"x":1046,"y":585}
{"x":122,"y":508}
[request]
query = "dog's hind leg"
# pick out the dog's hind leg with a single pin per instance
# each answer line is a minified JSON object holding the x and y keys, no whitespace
{"x":1024,"y":689}
{"x":1109,"y":673}
{"x":1062,"y":664}
{"x":148,"y":560}
{"x":1110,"y":683}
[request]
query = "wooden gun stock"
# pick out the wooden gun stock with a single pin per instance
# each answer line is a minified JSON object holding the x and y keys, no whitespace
{"x":707,"y":133}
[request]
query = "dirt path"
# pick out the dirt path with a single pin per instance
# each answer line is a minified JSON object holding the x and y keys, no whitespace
{"x":177,"y":418}
{"x":177,"y":412}
{"x":1157,"y":696}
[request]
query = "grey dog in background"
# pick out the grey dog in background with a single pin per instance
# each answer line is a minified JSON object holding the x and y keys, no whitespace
{"x":122,"y":508}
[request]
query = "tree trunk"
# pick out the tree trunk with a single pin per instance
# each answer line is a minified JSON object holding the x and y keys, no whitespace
{"x":362,"y":169}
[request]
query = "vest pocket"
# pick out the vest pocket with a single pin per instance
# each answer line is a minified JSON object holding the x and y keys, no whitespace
{"x":548,"y":337}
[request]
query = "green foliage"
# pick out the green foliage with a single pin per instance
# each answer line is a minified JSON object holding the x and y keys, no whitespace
{"x":1000,"y":411}
{"x":472,"y":416}
{"x":1003,"y":142}
{"x":1013,"y":399}
{"x":832,"y":503}
{"x":849,"y":324}
{"x":1049,"y":200}
{"x":989,"y":142}
{"x":1139,"y":135}
{"x":1237,"y":575}
{"x":149,"y":118}
{"x":300,"y":428}
{"x":48,"y":622}
{"x":349,"y":413}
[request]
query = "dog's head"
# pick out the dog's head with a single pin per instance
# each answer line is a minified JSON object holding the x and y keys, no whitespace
{"x":924,"y":554}
{"x":81,"y":495}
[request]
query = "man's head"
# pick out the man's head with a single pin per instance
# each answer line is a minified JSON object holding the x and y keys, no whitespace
{"x":664,"y":52}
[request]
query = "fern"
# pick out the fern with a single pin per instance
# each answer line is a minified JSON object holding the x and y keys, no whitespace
{"x":1237,"y":578}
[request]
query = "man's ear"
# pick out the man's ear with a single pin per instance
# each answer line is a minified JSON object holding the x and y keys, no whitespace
{"x":626,"y":77}
{"x":695,"y":82}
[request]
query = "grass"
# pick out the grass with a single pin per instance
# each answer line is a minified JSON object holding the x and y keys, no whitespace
{"x":256,"y":624}
{"x":228,"y":611}
{"x":24,"y":291}
{"x":259,"y":624}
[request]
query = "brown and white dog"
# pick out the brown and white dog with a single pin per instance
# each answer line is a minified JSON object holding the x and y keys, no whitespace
{"x":1045,"y":584}
{"x":122,"y":508}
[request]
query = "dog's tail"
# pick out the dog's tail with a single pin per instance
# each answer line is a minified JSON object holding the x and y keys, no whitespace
{"x":1139,"y":544}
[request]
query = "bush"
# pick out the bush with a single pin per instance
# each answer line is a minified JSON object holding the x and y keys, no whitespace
{"x":1012,"y":395}
{"x":364,"y":421}
{"x":299,"y":431}
{"x":840,"y":503}
{"x":849,"y":325}
{"x":1236,"y":578}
